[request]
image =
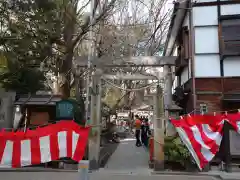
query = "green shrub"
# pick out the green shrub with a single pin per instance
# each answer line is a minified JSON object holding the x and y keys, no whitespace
{"x":176,"y":151}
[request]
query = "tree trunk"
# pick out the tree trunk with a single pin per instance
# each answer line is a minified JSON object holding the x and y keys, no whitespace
{"x":66,"y":76}
{"x":65,"y":70}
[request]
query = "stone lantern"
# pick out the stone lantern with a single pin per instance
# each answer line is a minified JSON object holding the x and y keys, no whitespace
{"x":174,"y":111}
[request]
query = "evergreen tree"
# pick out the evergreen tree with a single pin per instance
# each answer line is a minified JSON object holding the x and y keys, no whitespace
{"x":29,"y":28}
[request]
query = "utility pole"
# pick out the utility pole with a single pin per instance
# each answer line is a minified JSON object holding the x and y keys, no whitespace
{"x":89,"y":60}
{"x":94,"y":140}
{"x":158,"y":130}
{"x":91,"y":85}
{"x":78,"y":92}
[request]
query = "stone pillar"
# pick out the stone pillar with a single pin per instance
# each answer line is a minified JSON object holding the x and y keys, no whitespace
{"x":167,"y":97}
{"x":158,"y":130}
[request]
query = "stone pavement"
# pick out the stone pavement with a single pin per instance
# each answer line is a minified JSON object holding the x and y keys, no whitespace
{"x":93,"y":176}
{"x":128,"y":159}
{"x":131,"y":162}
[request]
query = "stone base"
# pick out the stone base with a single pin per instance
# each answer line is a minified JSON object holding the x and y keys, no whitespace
{"x":158,"y":165}
{"x":93,"y":165}
{"x":151,"y":164}
{"x":70,"y":166}
{"x":207,"y":168}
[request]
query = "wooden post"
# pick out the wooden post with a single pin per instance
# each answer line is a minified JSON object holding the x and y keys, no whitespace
{"x":226,"y":139}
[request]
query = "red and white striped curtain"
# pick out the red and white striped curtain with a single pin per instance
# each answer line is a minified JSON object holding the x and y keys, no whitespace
{"x":202,"y":134}
{"x":45,"y":144}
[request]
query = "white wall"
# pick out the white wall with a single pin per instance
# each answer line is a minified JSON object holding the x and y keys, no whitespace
{"x":205,"y":15}
{"x":207,"y":65}
{"x":184,"y":75}
{"x":231,"y":66}
{"x":230,"y":9}
{"x":206,"y":40}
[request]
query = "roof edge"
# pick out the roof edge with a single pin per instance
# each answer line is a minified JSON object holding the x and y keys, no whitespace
{"x":174,"y":13}
{"x":177,"y":6}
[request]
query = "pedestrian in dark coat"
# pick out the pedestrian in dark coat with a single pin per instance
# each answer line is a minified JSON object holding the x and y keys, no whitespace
{"x":145,"y":132}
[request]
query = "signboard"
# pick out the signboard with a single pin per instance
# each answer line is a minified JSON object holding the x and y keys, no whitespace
{"x":234,"y":139}
{"x":64,"y":110}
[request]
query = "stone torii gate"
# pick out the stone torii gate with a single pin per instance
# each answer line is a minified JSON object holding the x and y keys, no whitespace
{"x":141,"y":61}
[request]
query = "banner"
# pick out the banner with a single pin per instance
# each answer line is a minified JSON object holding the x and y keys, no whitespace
{"x":44,"y":144}
{"x":202,"y":134}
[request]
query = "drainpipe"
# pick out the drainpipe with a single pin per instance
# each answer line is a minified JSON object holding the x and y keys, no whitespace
{"x":192,"y":54}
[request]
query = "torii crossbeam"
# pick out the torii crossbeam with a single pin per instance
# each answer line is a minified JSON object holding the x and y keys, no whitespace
{"x":138,"y":61}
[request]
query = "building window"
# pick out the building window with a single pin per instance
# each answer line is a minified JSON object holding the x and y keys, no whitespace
{"x":203,"y":108}
{"x":230,"y":37}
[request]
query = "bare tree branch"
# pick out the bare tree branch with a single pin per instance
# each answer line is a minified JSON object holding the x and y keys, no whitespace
{"x":85,"y":27}
{"x":138,"y":27}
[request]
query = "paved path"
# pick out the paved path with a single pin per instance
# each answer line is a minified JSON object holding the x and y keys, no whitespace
{"x":128,"y":159}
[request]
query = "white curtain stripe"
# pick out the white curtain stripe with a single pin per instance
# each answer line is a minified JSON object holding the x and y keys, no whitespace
{"x":45,"y":149}
{"x":26,"y":153}
{"x":75,"y":138}
{"x":6,"y":160}
{"x":62,"y":143}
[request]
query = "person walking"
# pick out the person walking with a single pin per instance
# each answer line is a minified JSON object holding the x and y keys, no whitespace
{"x":145,"y":132}
{"x":138,"y":124}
